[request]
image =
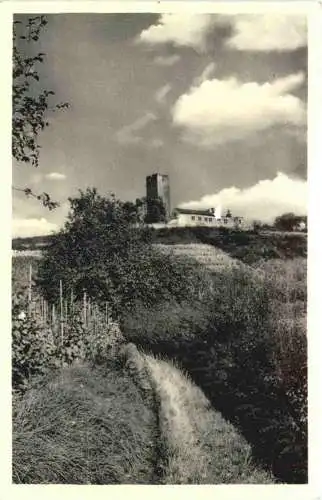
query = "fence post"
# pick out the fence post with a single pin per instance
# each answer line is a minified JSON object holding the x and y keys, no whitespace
{"x":84,"y":309}
{"x":61,"y":317}
{"x":29,"y":288}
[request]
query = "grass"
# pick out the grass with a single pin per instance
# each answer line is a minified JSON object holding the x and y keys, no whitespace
{"x":84,"y":426}
{"x":211,"y":257}
{"x":247,"y":246}
{"x":201,"y":447}
{"x":136,"y":421}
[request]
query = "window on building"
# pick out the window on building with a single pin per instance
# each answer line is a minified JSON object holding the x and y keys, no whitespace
{"x":193,"y":217}
{"x":225,"y":220}
{"x":199,"y":218}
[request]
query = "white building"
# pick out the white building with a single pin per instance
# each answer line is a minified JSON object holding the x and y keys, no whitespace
{"x":210,"y":218}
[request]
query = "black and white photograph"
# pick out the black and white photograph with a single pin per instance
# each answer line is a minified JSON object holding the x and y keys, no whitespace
{"x":159,"y":248}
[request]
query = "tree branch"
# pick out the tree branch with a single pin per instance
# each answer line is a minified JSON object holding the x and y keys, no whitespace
{"x":43,"y":197}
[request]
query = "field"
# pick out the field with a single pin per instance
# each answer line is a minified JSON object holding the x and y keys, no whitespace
{"x":237,"y":385}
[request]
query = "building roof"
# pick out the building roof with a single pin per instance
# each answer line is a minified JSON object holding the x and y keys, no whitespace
{"x":207,"y":212}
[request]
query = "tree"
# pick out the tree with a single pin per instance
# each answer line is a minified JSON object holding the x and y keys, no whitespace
{"x":289,"y":221}
{"x":156,"y":211}
{"x":30,"y":103}
{"x":97,"y":251}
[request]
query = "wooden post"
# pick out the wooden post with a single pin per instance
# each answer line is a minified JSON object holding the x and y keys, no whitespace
{"x":61,"y":312}
{"x":66,"y":311}
{"x":72,"y":303}
{"x":84,"y":309}
{"x":29,"y":288}
{"x":53,"y":315}
{"x":45,"y":312}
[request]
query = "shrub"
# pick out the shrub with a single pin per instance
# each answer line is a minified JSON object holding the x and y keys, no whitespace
{"x":33,"y":348}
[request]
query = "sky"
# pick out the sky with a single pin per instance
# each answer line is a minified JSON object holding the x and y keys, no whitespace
{"x":218,"y":102}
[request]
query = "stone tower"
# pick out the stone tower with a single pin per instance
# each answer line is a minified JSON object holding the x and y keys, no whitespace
{"x":158,"y":186}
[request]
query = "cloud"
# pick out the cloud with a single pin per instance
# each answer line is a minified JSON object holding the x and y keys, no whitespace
{"x":263,"y":201}
{"x":156,"y":143}
{"x":205,"y":75}
{"x":254,"y":32}
{"x":268,"y":32}
{"x":32,"y":227}
{"x":218,"y":111}
{"x":179,"y":29}
{"x":167,"y":60}
{"x":127,"y":134}
{"x":162,"y":93}
{"x":55,"y":176}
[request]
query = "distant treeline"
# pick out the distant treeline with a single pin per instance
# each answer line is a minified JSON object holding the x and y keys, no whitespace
{"x":31,"y":243}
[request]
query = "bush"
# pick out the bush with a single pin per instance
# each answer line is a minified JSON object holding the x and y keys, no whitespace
{"x":33,"y":348}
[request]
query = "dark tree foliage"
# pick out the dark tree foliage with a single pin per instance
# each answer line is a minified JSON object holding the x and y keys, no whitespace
{"x":156,"y":211}
{"x":31,"y":104}
{"x":289,"y":221}
{"x":97,"y":250}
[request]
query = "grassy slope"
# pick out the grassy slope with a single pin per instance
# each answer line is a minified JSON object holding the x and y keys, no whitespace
{"x":85,"y":426}
{"x":248,"y":246}
{"x":202,"y":448}
{"x":207,"y":255}
{"x":139,"y":421}
{"x":196,"y":445}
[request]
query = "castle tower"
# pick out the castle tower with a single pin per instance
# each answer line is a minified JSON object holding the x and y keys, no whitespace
{"x":158,"y":186}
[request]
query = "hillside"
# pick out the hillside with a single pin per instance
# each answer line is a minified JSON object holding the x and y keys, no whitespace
{"x":134,"y":420}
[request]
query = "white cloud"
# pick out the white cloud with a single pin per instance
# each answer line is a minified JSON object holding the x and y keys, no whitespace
{"x":162,"y":93}
{"x":55,"y":176}
{"x":127,"y":134}
{"x":167,"y":60}
{"x":268,"y":32}
{"x":256,"y":32}
{"x":264,"y":201}
{"x":32,"y":227}
{"x":223,"y":110}
{"x":205,"y":75}
{"x":180,"y":29}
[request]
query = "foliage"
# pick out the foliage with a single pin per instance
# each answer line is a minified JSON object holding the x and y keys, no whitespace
{"x":39,"y":346}
{"x":33,"y":348}
{"x":156,"y":211}
{"x":244,"y":344}
{"x":289,"y":222}
{"x":104,"y":252}
{"x":30,"y":102}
